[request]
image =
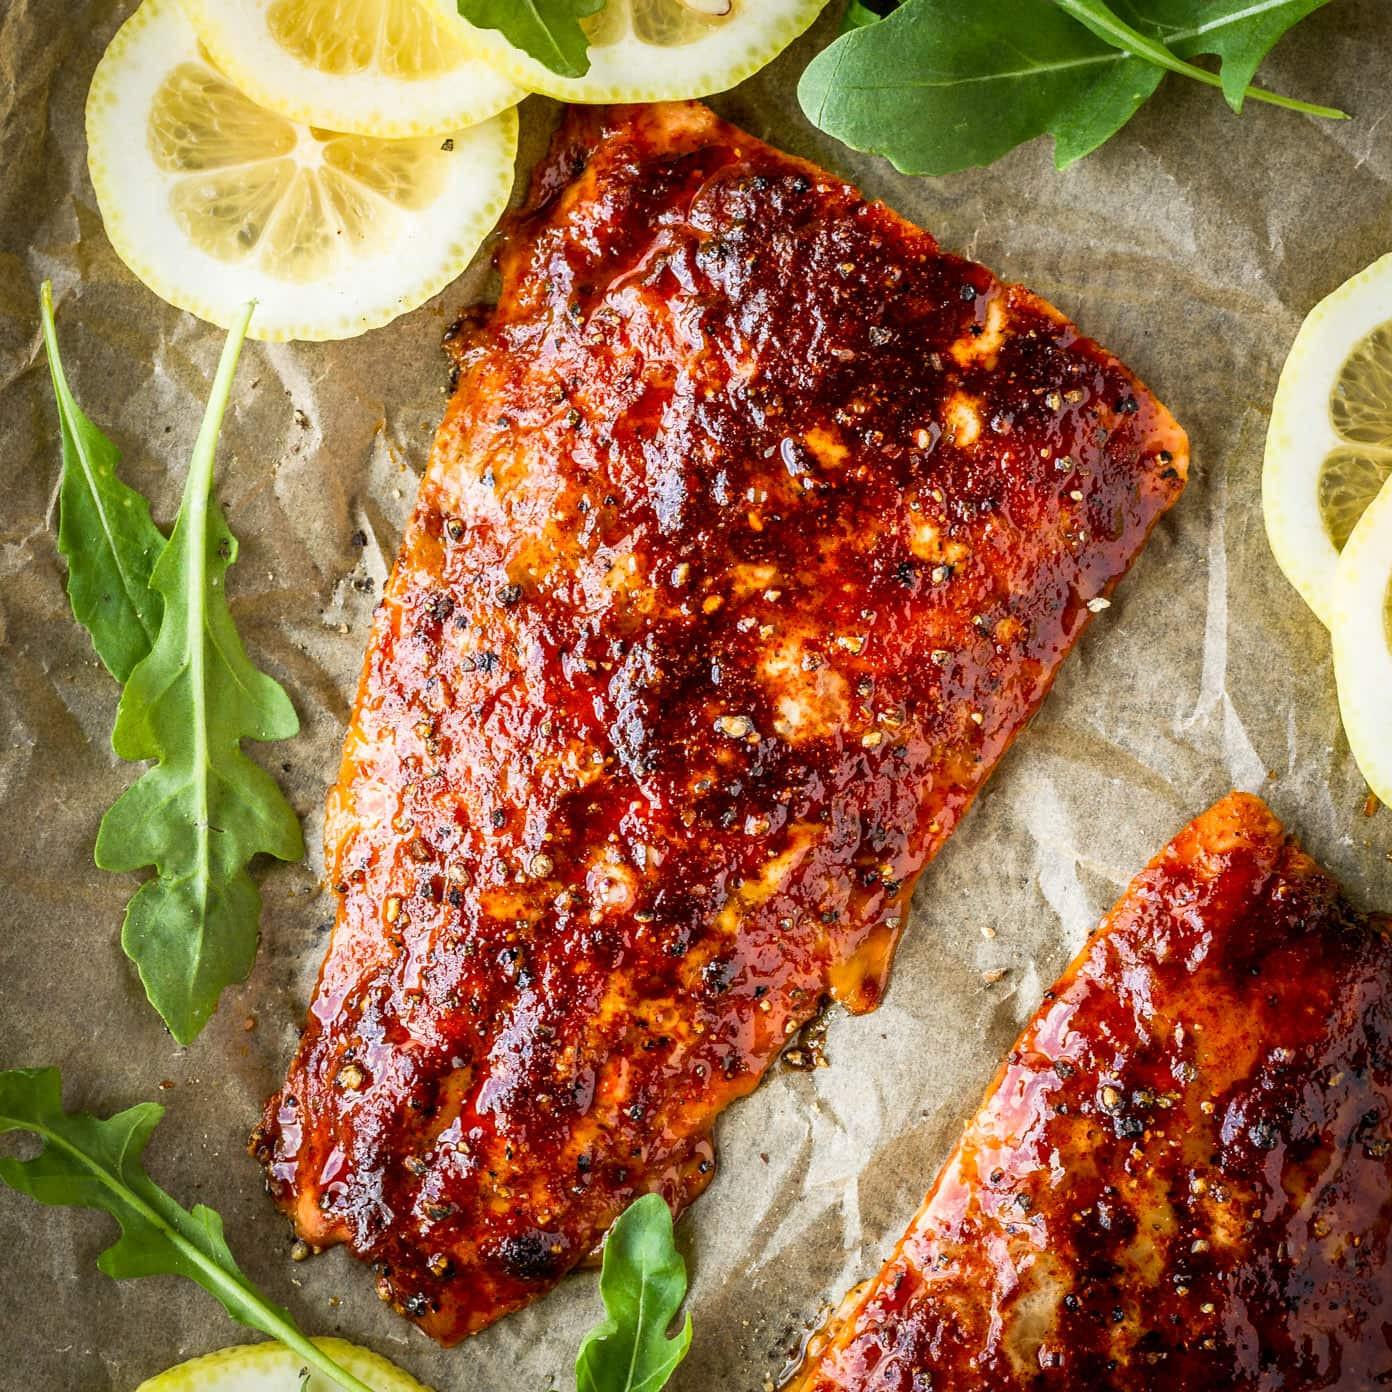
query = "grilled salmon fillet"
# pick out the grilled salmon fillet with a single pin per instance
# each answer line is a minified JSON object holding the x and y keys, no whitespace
{"x":1181,"y":1178}
{"x":756,"y":530}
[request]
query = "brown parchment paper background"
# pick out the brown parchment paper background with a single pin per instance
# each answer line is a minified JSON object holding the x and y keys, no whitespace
{"x":1191,"y":245}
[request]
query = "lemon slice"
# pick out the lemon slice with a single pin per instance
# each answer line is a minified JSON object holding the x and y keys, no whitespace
{"x":656,"y":50}
{"x":212,"y":200}
{"x":370,"y":67}
{"x":272,"y":1367}
{"x":1329,"y":446}
{"x":1361,"y":624}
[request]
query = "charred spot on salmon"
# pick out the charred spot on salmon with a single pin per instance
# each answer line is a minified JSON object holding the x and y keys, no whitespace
{"x":533,"y":1255}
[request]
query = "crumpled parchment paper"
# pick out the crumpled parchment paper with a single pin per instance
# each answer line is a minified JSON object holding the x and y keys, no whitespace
{"x":1191,"y":245}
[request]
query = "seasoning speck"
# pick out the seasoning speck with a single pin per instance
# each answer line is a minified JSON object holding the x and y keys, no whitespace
{"x":351,"y":1077}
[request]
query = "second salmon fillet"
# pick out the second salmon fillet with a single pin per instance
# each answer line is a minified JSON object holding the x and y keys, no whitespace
{"x":1181,"y":1178}
{"x":756,"y":530}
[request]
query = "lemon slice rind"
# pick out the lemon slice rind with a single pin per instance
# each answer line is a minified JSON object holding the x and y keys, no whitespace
{"x":1361,"y":625}
{"x":1302,"y":435}
{"x":634,"y":70}
{"x":366,"y":102}
{"x":430,"y":247}
{"x":271,"y":1367}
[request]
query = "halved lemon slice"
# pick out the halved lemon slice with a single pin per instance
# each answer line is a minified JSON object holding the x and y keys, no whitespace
{"x":1361,"y":625}
{"x":656,"y":50}
{"x":272,"y":1367}
{"x":212,"y":200}
{"x":390,"y":68}
{"x":1329,"y":446}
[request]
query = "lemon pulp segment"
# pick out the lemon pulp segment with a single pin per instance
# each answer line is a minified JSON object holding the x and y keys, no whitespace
{"x":1361,"y":403}
{"x":656,"y":50}
{"x":1360,"y":410}
{"x":661,"y":23}
{"x":386,"y":68}
{"x":1329,"y":445}
{"x":402,"y":38}
{"x":1348,"y":481}
{"x":301,"y":201}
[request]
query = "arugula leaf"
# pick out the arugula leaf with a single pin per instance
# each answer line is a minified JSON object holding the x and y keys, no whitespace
{"x":104,"y":530}
{"x":547,"y":30}
{"x":1108,"y":25}
{"x":642,"y":1283}
{"x":205,"y":809}
{"x":858,"y":15}
{"x":944,"y":85}
{"x":1102,"y":108}
{"x":89,"y":1163}
{"x":1239,"y":36}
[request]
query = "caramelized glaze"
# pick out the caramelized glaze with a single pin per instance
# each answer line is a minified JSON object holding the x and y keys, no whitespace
{"x":755,"y":531}
{"x":1181,"y":1178}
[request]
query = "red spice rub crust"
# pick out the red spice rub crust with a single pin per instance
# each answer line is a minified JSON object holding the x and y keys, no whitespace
{"x":755,"y":532}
